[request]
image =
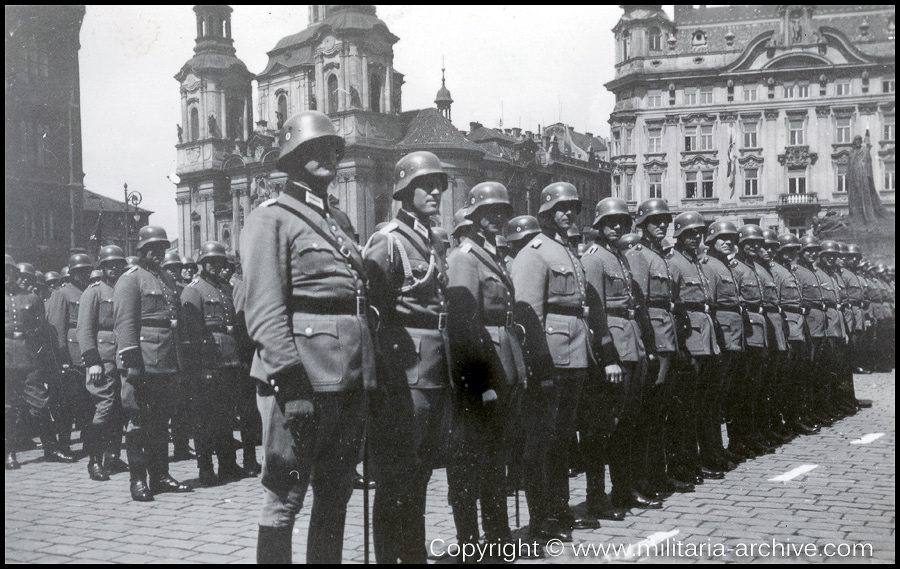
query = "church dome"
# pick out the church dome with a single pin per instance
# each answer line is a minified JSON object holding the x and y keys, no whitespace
{"x":443,"y":95}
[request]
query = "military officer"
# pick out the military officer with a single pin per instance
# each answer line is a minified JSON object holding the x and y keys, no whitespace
{"x":721,"y":239}
{"x":96,"y":276}
{"x":189,"y":269}
{"x":609,"y":412}
{"x":146,"y":315}
{"x":694,"y":379}
{"x":40,"y":286}
{"x":462,"y":226}
{"x":72,"y":399}
{"x":407,"y":276}
{"x":305,"y":309}
{"x":814,"y":304}
{"x":552,"y":306}
{"x":859,"y":301}
{"x":172,"y":264}
{"x":443,"y":236}
{"x":836,"y":326}
{"x":853,"y":314}
{"x":52,"y":280}
{"x":185,"y":393}
{"x":27,"y":365}
{"x":132,"y":260}
{"x":210,"y":336}
{"x":229,"y":270}
{"x":488,"y":368}
{"x":651,"y":273}
{"x":519,"y":231}
{"x":97,"y":342}
{"x":791,"y":301}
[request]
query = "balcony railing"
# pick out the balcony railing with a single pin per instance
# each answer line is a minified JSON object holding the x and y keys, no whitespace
{"x":810,"y":199}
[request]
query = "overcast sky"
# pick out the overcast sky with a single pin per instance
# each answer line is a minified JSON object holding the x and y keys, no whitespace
{"x":532,"y":65}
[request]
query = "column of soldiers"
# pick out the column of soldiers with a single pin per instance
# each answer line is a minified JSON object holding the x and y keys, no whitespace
{"x":127,"y":346}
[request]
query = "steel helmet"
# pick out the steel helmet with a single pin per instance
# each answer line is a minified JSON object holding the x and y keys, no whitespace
{"x":460,"y":221}
{"x":80,"y":261}
{"x":415,"y":165}
{"x":844,"y":248}
{"x":26,"y":269}
{"x":306,"y":127}
{"x":651,"y":207}
{"x":788,"y":241}
{"x":558,"y":192}
{"x":188,"y":261}
{"x":111,"y":253}
{"x":51,"y":277}
{"x":880,"y":268}
{"x":41,"y":277}
{"x":152,"y":234}
{"x":441,"y":235}
{"x":719,"y":228}
{"x":96,"y":274}
{"x":608,"y":207}
{"x":212,"y":249}
{"x":131,"y":260}
{"x":501,"y":242}
{"x":231,"y":259}
{"x":521,"y":227}
{"x":750,"y":232}
{"x":10,"y":262}
{"x":64,"y":273}
{"x":688,"y":220}
{"x":770,"y":237}
{"x":830,"y":246}
{"x":809,"y":242}
{"x":171,"y":258}
{"x":854,"y":249}
{"x":628,"y":241}
{"x":487,"y":193}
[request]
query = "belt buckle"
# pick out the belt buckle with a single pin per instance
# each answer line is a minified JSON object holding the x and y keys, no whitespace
{"x":585,"y":312}
{"x":631,"y":313}
{"x":17,"y":335}
{"x":672,"y":307}
{"x":360,"y":306}
{"x":173,"y":323}
{"x":509,"y":319}
{"x":705,"y":308}
{"x":442,"y":321}
{"x":229,"y":329}
{"x":824,"y":307}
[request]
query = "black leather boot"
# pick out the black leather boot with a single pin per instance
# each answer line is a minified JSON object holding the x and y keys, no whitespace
{"x":51,"y":452}
{"x":273,"y":546}
{"x":11,"y":462}
{"x":251,"y":466}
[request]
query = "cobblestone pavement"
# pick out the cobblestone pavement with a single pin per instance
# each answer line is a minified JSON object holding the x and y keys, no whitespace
{"x":54,"y":513}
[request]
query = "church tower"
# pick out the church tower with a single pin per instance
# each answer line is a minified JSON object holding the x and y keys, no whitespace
{"x":443,"y":100}
{"x":216,"y":111}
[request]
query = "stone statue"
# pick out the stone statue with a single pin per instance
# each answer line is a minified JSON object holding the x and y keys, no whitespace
{"x":796,"y":31}
{"x":213,"y":126}
{"x":280,"y":119}
{"x":354,"y":99}
{"x":180,"y":133}
{"x":865,"y":205}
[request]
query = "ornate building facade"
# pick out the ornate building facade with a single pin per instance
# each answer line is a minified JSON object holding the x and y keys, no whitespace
{"x":43,"y":177}
{"x":749,"y":112}
{"x":341,"y":64}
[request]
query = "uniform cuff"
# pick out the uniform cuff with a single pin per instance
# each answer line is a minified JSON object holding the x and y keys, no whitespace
{"x":131,"y":357}
{"x":91,"y":358}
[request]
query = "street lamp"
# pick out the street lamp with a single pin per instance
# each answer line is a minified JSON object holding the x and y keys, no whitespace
{"x":134,"y":198}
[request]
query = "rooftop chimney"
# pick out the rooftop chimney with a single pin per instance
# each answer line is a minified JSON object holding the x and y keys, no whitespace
{"x":517,"y":132}
{"x":473,"y":126}
{"x":589,"y":134}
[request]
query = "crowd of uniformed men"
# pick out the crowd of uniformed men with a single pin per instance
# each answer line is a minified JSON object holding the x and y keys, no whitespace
{"x":513,"y":362}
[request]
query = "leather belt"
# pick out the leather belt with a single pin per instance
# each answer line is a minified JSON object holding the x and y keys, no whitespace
{"x":696,"y":306}
{"x":577,"y":311}
{"x":662,"y":305}
{"x":17,"y":334}
{"x":856,"y":304}
{"x":793,"y":309}
{"x":154,"y":323}
{"x":814,"y":305}
{"x":426,"y":321}
{"x":770,"y":309}
{"x":733,"y":308}
{"x":498,"y":319}
{"x":355,"y":306}
{"x":830,"y":304}
{"x":621,"y":312}
{"x":221,"y":328}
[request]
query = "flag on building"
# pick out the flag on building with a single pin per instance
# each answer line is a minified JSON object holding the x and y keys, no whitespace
{"x":732,"y":163}
{"x":97,"y":234}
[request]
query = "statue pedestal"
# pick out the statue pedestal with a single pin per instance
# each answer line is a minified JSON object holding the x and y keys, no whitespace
{"x":876,"y":241}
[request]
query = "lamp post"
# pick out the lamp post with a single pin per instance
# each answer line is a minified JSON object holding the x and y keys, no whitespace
{"x":134,"y":198}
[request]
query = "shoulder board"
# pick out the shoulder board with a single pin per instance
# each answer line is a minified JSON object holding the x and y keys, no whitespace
{"x":670,"y":254}
{"x":268,"y":202}
{"x":92,"y":285}
{"x":732,"y":263}
{"x":535,"y":243}
{"x":131,"y":270}
{"x":705,"y":259}
{"x":638,"y":247}
{"x":465,"y":248}
{"x":392,"y":226}
{"x":591,"y":250}
{"x":193,"y":282}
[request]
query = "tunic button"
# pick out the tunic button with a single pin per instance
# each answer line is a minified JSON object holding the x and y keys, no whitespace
{"x":308,"y":330}
{"x":315,"y":244}
{"x":340,"y":239}
{"x":334,"y":228}
{"x":549,"y":328}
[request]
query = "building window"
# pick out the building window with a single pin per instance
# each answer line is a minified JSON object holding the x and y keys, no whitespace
{"x":887,"y":133}
{"x":690,"y":97}
{"x":332,"y":94}
{"x":751,"y":181}
{"x":629,"y":187}
{"x":842,"y":88}
{"x":698,"y":39}
{"x":750,"y":135}
{"x":803,"y":91}
{"x":282,"y":110}
{"x":655,"y":186}
{"x":617,"y":186}
{"x":375,"y":93}
{"x":889,"y":176}
{"x":840,"y":186}
{"x":690,"y":138}
{"x":654,"y":140}
{"x":195,"y":234}
{"x":195,"y":124}
{"x":887,"y":85}
{"x":706,"y":96}
{"x":797,"y":181}
{"x":795,"y":127}
{"x":789,"y":91}
{"x":706,"y":137}
{"x":690,"y":185}
{"x":626,"y":45}
{"x":843,"y":133}
{"x":655,"y":39}
{"x":617,"y":143}
{"x":708,"y":184}
{"x":654,"y":99}
{"x":750,"y":93}
{"x":628,"y":147}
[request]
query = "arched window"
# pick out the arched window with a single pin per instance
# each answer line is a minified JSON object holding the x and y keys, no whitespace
{"x":195,"y":125}
{"x":332,"y":94}
{"x":224,"y":30}
{"x":655,"y":39}
{"x":626,"y":45}
{"x":282,"y":110}
{"x":203,"y":27}
{"x":375,"y":93}
{"x":226,"y":239}
{"x":195,"y":235}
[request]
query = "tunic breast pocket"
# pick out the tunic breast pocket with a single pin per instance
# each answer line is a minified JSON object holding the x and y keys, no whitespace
{"x":493,"y":290}
{"x":659,"y":285}
{"x":728,"y":288}
{"x":153,"y":301}
{"x":106,"y":312}
{"x":320,"y":349}
{"x":316,"y":259}
{"x":562,"y":280}
{"x":213,"y":310}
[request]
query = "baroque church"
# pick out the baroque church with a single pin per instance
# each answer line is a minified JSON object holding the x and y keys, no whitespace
{"x":342,"y":65}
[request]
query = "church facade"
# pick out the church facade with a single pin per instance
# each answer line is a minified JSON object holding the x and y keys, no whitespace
{"x":342,"y":65}
{"x":749,"y":112}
